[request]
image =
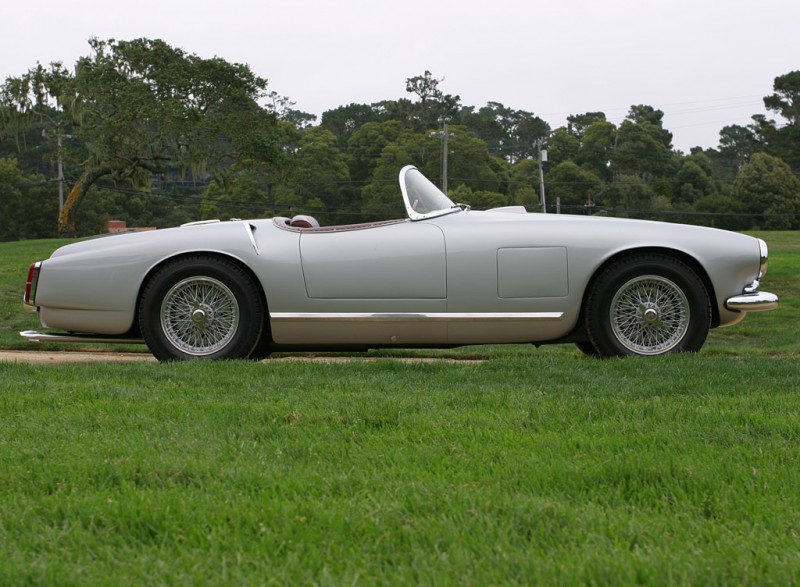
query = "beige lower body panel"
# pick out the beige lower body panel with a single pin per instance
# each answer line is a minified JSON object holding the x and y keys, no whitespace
{"x":96,"y":321}
{"x":414,"y":328}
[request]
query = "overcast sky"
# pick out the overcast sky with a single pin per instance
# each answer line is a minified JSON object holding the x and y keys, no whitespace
{"x":705,"y":63}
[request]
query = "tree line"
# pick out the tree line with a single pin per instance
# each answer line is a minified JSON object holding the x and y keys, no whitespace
{"x":148,"y":133}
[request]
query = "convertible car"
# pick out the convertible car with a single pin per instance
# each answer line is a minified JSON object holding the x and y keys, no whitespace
{"x":443,"y":276}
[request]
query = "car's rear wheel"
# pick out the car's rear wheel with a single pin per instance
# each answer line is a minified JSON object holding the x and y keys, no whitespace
{"x":647,"y":305}
{"x":201,"y":307}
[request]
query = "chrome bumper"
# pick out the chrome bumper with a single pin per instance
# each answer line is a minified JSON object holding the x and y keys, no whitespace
{"x":754,"y":301}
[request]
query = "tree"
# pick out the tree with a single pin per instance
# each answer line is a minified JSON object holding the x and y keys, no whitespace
{"x":10,"y":198}
{"x":239,"y":196}
{"x":640,"y":152}
{"x":281,"y":107}
{"x":301,"y":120}
{"x":631,"y":194}
{"x":470,"y":163}
{"x":523,"y":185}
{"x":694,"y":179}
{"x":737,"y":144}
{"x":783,"y":140}
{"x":597,"y":148}
{"x":721,"y":211}
{"x":142,"y":108}
{"x":344,"y":121}
{"x":432,"y":103}
{"x":510,"y":134}
{"x":564,"y":146}
{"x":573,"y":185}
{"x":767,"y":187}
{"x":320,"y":174}
{"x":487,"y":127}
{"x":578,"y":123}
{"x":381,"y":198}
{"x":480,"y":199}
{"x":652,"y":121}
{"x":786,"y":97}
{"x":366,"y":144}
{"x":28,"y":203}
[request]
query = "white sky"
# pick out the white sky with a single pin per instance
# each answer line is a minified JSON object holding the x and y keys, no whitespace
{"x":705,"y":63}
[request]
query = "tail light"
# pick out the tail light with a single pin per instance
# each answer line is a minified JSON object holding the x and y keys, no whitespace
{"x":30,"y":285}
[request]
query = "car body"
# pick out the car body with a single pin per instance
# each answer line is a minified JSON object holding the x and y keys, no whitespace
{"x":443,"y":276}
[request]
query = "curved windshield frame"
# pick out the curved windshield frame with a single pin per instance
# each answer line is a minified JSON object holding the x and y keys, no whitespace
{"x":422,"y":198}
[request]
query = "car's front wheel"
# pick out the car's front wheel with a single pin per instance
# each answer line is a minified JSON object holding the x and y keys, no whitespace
{"x":201,"y":307}
{"x":647,"y":305}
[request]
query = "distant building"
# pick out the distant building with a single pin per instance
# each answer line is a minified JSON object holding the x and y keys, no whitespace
{"x":115,"y":226}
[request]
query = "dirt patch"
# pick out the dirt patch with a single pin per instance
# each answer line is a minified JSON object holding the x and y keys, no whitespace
{"x":75,"y":357}
{"x":60,"y":357}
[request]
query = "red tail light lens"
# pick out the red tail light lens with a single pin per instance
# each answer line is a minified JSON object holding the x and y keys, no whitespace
{"x":30,"y":284}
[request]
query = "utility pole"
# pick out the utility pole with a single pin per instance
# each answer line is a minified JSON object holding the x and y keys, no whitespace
{"x":542,"y":159}
{"x":445,"y":135}
{"x":60,"y":162}
{"x":60,"y":175}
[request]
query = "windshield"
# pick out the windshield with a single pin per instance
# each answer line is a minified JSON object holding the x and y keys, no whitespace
{"x":422,"y":198}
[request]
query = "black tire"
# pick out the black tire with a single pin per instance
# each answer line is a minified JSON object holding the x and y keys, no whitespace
{"x":587,"y":348}
{"x":263,"y":349}
{"x":201,"y":308}
{"x":647,"y":305}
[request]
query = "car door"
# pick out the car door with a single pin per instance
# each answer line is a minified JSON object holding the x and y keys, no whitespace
{"x":374,"y":285}
{"x":402,"y":261}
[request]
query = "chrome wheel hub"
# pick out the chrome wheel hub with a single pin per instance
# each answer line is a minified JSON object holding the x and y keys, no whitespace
{"x":199,"y":315}
{"x":649,"y":315}
{"x":202,"y":316}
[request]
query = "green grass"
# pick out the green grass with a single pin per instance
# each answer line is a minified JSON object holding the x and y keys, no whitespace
{"x":547,"y":468}
{"x":535,"y":466}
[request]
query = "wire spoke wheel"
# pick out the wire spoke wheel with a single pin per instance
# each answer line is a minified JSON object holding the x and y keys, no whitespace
{"x":202,"y":307}
{"x":647,"y":305}
{"x":199,"y":315}
{"x":649,"y":315}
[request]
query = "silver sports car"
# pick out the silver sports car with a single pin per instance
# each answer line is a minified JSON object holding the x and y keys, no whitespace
{"x":444,"y":276}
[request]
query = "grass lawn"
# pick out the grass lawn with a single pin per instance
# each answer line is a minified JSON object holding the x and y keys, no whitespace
{"x":534,"y":466}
